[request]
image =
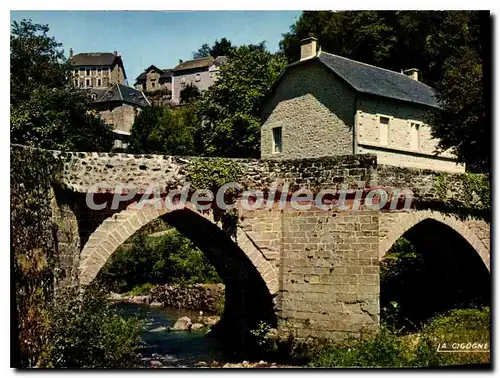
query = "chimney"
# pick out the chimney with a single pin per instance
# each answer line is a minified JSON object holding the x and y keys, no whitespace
{"x":115,"y":52}
{"x":70,"y":52}
{"x":308,"y":48}
{"x":412,"y":73}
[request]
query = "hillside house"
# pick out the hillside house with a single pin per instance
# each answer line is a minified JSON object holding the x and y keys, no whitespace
{"x":326,"y":104}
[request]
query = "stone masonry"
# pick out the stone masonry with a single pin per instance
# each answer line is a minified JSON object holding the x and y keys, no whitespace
{"x":310,"y":273}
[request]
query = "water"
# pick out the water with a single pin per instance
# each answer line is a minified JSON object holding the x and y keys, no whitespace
{"x":180,"y":348}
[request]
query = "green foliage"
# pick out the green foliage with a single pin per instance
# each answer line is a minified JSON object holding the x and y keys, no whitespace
{"x":170,"y":258}
{"x":462,"y":124}
{"x":219,"y":48}
{"x":390,"y":349}
{"x":46,"y":110}
{"x":448,"y":48}
{"x":230,"y":109}
{"x":87,"y":332}
{"x":212,"y":174}
{"x":142,"y":289}
{"x":189,"y":94}
{"x":163,"y":131}
{"x":474,"y":194}
{"x":32,"y":174}
{"x":384,"y":350}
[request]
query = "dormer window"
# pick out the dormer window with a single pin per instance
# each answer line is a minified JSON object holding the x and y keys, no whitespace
{"x":93,"y":96}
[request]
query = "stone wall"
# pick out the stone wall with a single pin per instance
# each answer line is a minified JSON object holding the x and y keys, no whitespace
{"x":315,"y":111}
{"x":330,"y":274}
{"x":399,"y":149}
{"x":204,"y":297}
{"x":120,"y":117}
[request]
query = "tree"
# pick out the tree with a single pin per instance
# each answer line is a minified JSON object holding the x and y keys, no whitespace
{"x":462,"y":123}
{"x":189,"y":94}
{"x":230,"y":109}
{"x":219,"y":48}
{"x":46,"y":110}
{"x":202,"y":52}
{"x":164,"y":131}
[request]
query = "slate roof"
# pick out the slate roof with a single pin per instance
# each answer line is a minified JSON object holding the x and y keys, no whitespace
{"x":220,"y":60}
{"x":96,"y":59}
{"x":378,"y":81}
{"x":165,"y":73}
{"x":93,"y":59}
{"x":121,"y":93}
{"x":195,"y":63}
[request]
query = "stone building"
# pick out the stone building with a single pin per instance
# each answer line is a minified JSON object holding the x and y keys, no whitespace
{"x":200,"y":72}
{"x":154,"y":78}
{"x":97,"y":70}
{"x":330,"y":105}
{"x":118,"y":106}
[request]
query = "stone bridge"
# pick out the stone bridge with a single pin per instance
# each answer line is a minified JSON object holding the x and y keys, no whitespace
{"x":309,"y":272}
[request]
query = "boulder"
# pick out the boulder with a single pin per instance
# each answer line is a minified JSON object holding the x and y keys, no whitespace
{"x":196,"y":326}
{"x":156,"y":304}
{"x":182,"y":324}
{"x":159,"y":329}
{"x":155,"y":363}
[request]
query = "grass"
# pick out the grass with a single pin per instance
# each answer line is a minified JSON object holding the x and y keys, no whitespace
{"x":389,"y":349}
{"x":142,"y":289}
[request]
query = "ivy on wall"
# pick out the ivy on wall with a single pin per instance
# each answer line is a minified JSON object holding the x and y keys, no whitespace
{"x":33,"y":253}
{"x":471,"y":192}
{"x":212,"y":174}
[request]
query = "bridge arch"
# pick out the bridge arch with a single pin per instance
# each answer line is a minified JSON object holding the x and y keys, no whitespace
{"x":251,"y":282}
{"x":399,"y":225}
{"x":116,"y":229}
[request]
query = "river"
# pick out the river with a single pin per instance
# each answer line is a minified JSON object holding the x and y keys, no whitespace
{"x":175,"y":348}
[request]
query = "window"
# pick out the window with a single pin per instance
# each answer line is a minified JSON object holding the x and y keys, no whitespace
{"x":197,"y":77}
{"x":414,"y":136}
{"x":277,"y":146}
{"x":153,"y":84}
{"x":87,"y":72}
{"x":98,"y":82}
{"x":87,"y":82}
{"x":183,"y":80}
{"x":94,"y":96}
{"x":99,"y":71}
{"x":76,"y":83}
{"x":384,"y":131}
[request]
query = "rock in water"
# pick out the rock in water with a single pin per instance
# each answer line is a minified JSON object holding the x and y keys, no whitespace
{"x":182,"y":324}
{"x":196,"y":326}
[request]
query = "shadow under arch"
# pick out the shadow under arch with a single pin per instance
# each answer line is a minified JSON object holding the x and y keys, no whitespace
{"x":248,"y":300}
{"x":431,"y":269}
{"x":413,"y":219}
{"x":250,"y":280}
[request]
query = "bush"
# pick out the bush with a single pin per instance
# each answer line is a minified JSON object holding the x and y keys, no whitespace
{"x":87,"y":332}
{"x":390,"y":349}
{"x":456,"y":326}
{"x":142,"y":289}
{"x":385,"y":350}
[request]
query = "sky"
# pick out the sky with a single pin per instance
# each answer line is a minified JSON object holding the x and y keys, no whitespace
{"x":161,"y":38}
